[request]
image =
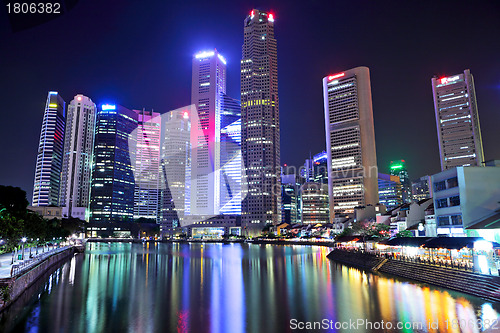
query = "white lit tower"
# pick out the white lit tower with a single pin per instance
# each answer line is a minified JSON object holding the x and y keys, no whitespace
{"x":147,"y":165}
{"x":457,"y":120}
{"x":208,"y":88}
{"x":260,"y":132}
{"x":49,"y":159}
{"x":77,"y":161}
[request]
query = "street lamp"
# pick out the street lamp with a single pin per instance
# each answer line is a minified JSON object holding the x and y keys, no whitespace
{"x":24,"y":241}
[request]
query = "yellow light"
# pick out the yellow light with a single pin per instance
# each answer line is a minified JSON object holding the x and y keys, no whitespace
{"x":53,"y":105}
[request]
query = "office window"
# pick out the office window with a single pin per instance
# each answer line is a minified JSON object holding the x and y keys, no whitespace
{"x":442,"y":203}
{"x":439,"y":186}
{"x":455,"y":201}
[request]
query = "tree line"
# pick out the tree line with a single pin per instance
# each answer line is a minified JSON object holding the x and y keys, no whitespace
{"x":17,"y":222}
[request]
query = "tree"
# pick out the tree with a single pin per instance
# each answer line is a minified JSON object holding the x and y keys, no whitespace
{"x":11,"y":229}
{"x":13,"y":199}
{"x":404,"y":233}
{"x":73,"y":225}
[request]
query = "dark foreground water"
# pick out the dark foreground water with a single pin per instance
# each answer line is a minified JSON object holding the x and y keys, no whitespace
{"x":233,"y":288}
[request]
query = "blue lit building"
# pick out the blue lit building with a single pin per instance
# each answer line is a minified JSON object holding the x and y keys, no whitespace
{"x":112,"y":190}
{"x":316,"y":168}
{"x":389,"y":191}
{"x":398,"y":168}
{"x":290,"y":199}
{"x":50,"y":153}
{"x":230,"y":156}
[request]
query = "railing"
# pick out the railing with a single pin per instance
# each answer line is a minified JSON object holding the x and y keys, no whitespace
{"x":26,"y":265}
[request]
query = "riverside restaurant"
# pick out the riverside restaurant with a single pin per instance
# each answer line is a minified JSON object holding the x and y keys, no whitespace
{"x":473,"y":254}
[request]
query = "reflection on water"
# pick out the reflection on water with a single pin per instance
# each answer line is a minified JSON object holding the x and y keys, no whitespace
{"x":231,"y":288}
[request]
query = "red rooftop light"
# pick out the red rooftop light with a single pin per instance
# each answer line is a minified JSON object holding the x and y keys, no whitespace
{"x":336,"y":76}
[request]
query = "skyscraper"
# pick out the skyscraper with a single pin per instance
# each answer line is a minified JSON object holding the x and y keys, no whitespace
{"x":50,"y":153}
{"x":398,"y":168}
{"x":147,"y":165}
{"x":260,"y":131}
{"x":77,"y":161}
{"x":350,"y":141}
{"x":230,"y":157}
{"x":175,"y":171}
{"x":314,"y":203}
{"x":290,"y":198}
{"x":457,"y":120}
{"x":389,"y":191}
{"x":316,"y":168}
{"x":208,"y":88}
{"x":112,"y":188}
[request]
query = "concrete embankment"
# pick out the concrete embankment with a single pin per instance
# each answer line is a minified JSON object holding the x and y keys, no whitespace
{"x":13,"y":287}
{"x":484,"y":286}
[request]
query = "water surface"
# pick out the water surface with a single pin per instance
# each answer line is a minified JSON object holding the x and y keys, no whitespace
{"x":121,"y":287}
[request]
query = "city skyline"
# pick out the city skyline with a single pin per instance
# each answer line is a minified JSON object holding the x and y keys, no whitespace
{"x":19,"y":170}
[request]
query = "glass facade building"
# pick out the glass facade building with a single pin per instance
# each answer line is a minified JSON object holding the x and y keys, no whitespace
{"x":49,"y":159}
{"x":398,"y":168}
{"x":175,"y":167}
{"x":389,"y":191}
{"x":147,"y":165}
{"x":113,"y":184}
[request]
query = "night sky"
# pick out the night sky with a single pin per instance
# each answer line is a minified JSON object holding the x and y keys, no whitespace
{"x":138,"y":54}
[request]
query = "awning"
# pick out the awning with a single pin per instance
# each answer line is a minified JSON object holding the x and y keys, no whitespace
{"x":455,"y":243}
{"x":406,"y":241}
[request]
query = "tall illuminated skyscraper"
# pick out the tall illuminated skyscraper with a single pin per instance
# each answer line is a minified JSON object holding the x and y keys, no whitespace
{"x":77,"y":161}
{"x":175,"y":167}
{"x":112,"y":188}
{"x":147,"y":165}
{"x":457,"y":120}
{"x":230,"y":157}
{"x":208,"y":88}
{"x":350,"y":141}
{"x":50,"y":153}
{"x":260,"y":130}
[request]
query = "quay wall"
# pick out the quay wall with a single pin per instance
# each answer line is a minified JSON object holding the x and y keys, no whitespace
{"x":484,"y":286}
{"x":12,"y":288}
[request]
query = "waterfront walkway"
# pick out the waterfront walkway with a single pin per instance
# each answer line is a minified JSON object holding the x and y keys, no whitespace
{"x":7,"y":267}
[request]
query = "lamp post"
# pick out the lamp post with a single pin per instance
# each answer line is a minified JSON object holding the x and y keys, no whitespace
{"x":24,"y":241}
{"x":37,"y":245}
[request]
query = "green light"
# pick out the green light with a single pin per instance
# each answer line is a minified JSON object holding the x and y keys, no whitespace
{"x":397,"y":166}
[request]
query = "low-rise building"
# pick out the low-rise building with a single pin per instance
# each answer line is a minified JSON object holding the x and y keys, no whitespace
{"x":464,"y":195}
{"x":49,"y":212}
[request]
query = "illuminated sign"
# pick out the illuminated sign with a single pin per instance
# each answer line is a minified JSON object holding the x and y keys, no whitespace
{"x":186,"y":115}
{"x":446,"y":80}
{"x":108,"y":107}
{"x":52,"y":92}
{"x":336,"y":76}
{"x":204,"y":54}
{"x":252,"y":14}
{"x":271,"y":17}
{"x":397,"y":166}
{"x":53,"y":105}
{"x":320,"y":157}
{"x":79,"y":98}
{"x":221,"y":58}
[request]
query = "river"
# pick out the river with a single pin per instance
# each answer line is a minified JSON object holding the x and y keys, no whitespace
{"x":172,"y":287}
